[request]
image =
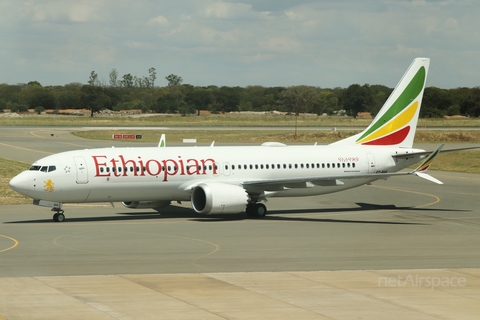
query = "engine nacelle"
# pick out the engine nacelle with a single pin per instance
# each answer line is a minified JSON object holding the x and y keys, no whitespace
{"x":216,"y":198}
{"x":145,"y":204}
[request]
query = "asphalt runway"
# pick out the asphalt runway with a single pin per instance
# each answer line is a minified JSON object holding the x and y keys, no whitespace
{"x":403,"y":223}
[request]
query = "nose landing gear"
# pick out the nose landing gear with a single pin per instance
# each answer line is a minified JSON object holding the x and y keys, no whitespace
{"x":58,"y":216}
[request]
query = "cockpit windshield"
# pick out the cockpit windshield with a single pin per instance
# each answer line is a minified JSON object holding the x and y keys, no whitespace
{"x":42,"y":168}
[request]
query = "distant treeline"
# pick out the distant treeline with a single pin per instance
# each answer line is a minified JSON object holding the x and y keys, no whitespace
{"x":141,"y":94}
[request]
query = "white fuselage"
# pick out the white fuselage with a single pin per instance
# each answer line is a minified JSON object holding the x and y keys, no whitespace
{"x":158,"y":174}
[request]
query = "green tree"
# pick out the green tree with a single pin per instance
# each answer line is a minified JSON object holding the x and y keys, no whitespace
{"x":227,"y":99}
{"x":435,"y":103}
{"x":296,"y":99}
{"x":167,"y":104}
{"x":94,"y":98}
{"x":93,"y":79}
{"x":113,"y":78}
{"x":174,"y":80}
{"x":127,"y":80}
{"x":356,"y":99}
{"x":34,"y":84}
{"x":199,"y":99}
{"x":470,"y":106}
{"x":41,"y":97}
{"x":152,"y":76}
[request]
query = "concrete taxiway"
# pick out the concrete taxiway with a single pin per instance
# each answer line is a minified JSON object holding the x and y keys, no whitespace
{"x":301,"y":261}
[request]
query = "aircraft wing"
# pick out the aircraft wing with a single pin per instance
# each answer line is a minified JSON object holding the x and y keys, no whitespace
{"x":307,"y":182}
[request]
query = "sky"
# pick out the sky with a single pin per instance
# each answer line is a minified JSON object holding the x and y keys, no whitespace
{"x":322,"y":43}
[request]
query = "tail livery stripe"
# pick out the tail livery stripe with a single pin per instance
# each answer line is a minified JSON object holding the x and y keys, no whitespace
{"x":390,"y":129}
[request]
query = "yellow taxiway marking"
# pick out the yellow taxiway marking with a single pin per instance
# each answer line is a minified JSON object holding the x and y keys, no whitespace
{"x":21,"y":148}
{"x":215,"y":246}
{"x":15,"y":243}
{"x":437,"y":199}
{"x":50,"y":132}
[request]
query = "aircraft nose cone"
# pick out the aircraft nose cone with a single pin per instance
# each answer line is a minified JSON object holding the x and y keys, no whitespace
{"x":20,"y":183}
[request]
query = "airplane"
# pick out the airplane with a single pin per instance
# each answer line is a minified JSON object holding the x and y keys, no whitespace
{"x":234,"y":179}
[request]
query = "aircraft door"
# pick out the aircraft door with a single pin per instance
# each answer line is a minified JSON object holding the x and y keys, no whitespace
{"x":226,"y":169}
{"x":82,"y":172}
{"x":371,"y":163}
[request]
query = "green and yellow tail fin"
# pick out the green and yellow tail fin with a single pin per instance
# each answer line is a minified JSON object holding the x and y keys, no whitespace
{"x":396,"y":122}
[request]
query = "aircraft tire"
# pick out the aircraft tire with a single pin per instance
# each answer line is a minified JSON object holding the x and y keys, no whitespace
{"x":58,"y":217}
{"x":257,"y":210}
{"x":260,"y":210}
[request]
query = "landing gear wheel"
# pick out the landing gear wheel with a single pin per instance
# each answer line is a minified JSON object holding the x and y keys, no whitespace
{"x":59,"y":217}
{"x":256,"y":210}
{"x":260,"y":210}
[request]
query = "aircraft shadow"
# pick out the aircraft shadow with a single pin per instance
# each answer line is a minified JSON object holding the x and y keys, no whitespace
{"x":174,"y":212}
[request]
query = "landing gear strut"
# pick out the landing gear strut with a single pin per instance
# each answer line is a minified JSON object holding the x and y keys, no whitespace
{"x":256,"y":210}
{"x":56,"y":207}
{"x":58,"y":216}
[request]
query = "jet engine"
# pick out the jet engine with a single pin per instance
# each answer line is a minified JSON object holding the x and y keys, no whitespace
{"x":145,"y":204}
{"x":215,"y":198}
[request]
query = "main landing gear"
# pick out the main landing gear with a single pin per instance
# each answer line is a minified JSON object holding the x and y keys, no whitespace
{"x":256,"y":210}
